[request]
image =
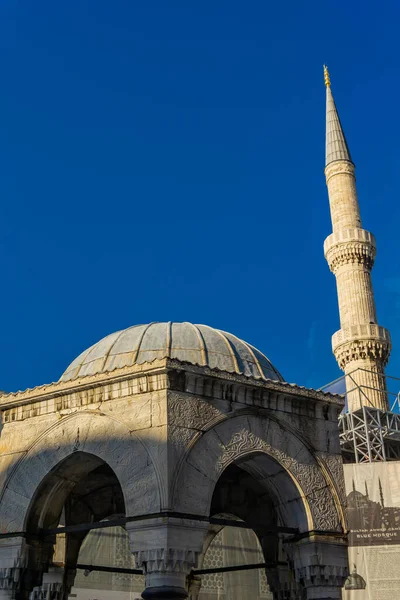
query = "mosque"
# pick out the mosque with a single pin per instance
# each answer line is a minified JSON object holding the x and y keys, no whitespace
{"x":173,"y":461}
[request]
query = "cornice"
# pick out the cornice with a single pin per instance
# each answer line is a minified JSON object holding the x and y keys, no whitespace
{"x":160,"y":374}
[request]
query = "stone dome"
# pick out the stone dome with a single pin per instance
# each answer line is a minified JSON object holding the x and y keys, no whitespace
{"x":355,"y":581}
{"x":195,"y":344}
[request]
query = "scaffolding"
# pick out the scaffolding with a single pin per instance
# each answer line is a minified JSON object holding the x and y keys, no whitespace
{"x":368,"y":434}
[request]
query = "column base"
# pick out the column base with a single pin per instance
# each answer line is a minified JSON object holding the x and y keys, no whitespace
{"x":164,"y":592}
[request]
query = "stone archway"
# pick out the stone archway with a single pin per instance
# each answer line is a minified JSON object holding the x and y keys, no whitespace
{"x":87,"y":482}
{"x":93,"y":433}
{"x":256,"y":490}
{"x":169,"y":462}
{"x":235,"y":439}
{"x":294,"y":489}
{"x":80,"y":489}
{"x":89,"y":455}
{"x":224,"y":547}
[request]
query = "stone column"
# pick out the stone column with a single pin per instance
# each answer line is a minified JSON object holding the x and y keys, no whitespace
{"x":25,"y":571}
{"x":51,"y":587}
{"x":57,"y":567}
{"x":167,"y":550}
{"x":283,"y":584}
{"x":13,"y":562}
{"x":280,"y":578}
{"x":194,"y":587}
{"x":7,"y":583}
{"x":320,"y":565}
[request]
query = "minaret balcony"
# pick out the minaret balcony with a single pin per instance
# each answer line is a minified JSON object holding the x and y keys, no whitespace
{"x":350,"y":246}
{"x":364,"y":340}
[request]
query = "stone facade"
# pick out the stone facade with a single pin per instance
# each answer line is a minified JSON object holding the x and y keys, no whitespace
{"x":172,"y":438}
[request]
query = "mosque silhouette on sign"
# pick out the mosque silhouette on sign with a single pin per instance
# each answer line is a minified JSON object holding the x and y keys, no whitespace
{"x":365,"y":515}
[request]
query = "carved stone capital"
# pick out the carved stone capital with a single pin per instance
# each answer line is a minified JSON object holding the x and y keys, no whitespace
{"x":283,"y":585}
{"x":320,"y":565}
{"x":316,"y":575}
{"x":13,"y":563}
{"x":166,"y":571}
{"x":166,"y":560}
{"x":8,"y":580}
{"x":355,"y":246}
{"x":167,"y":550}
{"x":360,"y":342}
{"x":52,"y":586}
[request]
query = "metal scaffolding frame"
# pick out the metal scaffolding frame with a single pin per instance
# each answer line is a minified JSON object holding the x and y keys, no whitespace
{"x":368,"y":434}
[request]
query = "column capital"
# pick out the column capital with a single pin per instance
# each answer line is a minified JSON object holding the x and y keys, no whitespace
{"x":282,"y":583}
{"x":167,"y":549}
{"x":13,"y":562}
{"x":52,"y":585}
{"x":320,"y":565}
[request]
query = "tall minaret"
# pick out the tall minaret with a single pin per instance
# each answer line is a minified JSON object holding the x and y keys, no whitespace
{"x":361,"y":346}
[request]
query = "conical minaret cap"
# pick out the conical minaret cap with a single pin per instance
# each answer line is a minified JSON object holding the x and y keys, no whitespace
{"x":336,"y":145}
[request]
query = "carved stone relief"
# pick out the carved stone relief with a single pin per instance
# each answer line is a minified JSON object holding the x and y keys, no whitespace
{"x":334,"y":464}
{"x":240,"y":441}
{"x":189,"y":411}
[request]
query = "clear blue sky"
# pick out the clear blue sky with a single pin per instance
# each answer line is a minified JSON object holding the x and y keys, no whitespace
{"x":163,"y":160}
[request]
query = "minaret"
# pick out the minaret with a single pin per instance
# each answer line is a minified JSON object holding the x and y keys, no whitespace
{"x":366,"y":489}
{"x":361,"y":346}
{"x":381,"y":494}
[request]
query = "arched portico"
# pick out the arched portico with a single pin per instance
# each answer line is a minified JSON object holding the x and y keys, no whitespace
{"x":93,"y":433}
{"x":275,"y":455}
{"x":80,"y":489}
{"x":263,"y":472}
{"x":174,"y":445}
{"x":85,"y":468}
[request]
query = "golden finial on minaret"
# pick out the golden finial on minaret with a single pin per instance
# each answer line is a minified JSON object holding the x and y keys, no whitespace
{"x":326,"y":77}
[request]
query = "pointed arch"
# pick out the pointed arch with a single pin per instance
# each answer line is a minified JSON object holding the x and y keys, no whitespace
{"x":97,"y":435}
{"x":274,"y":455}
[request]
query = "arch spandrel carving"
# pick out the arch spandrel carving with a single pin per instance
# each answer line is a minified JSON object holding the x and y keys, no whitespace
{"x":333,"y":465}
{"x":239,"y":437}
{"x":95,"y":434}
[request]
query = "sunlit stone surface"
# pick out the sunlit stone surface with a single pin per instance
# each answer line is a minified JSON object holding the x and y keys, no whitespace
{"x":184,"y":420}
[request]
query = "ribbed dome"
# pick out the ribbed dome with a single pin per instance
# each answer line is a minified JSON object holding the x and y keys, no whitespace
{"x":195,"y":344}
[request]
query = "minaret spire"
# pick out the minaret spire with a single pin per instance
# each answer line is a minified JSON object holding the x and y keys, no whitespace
{"x":336,"y":144}
{"x":381,"y":494}
{"x":361,"y":346}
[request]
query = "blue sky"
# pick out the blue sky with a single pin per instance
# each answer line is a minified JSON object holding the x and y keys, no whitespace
{"x":163,"y":160}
